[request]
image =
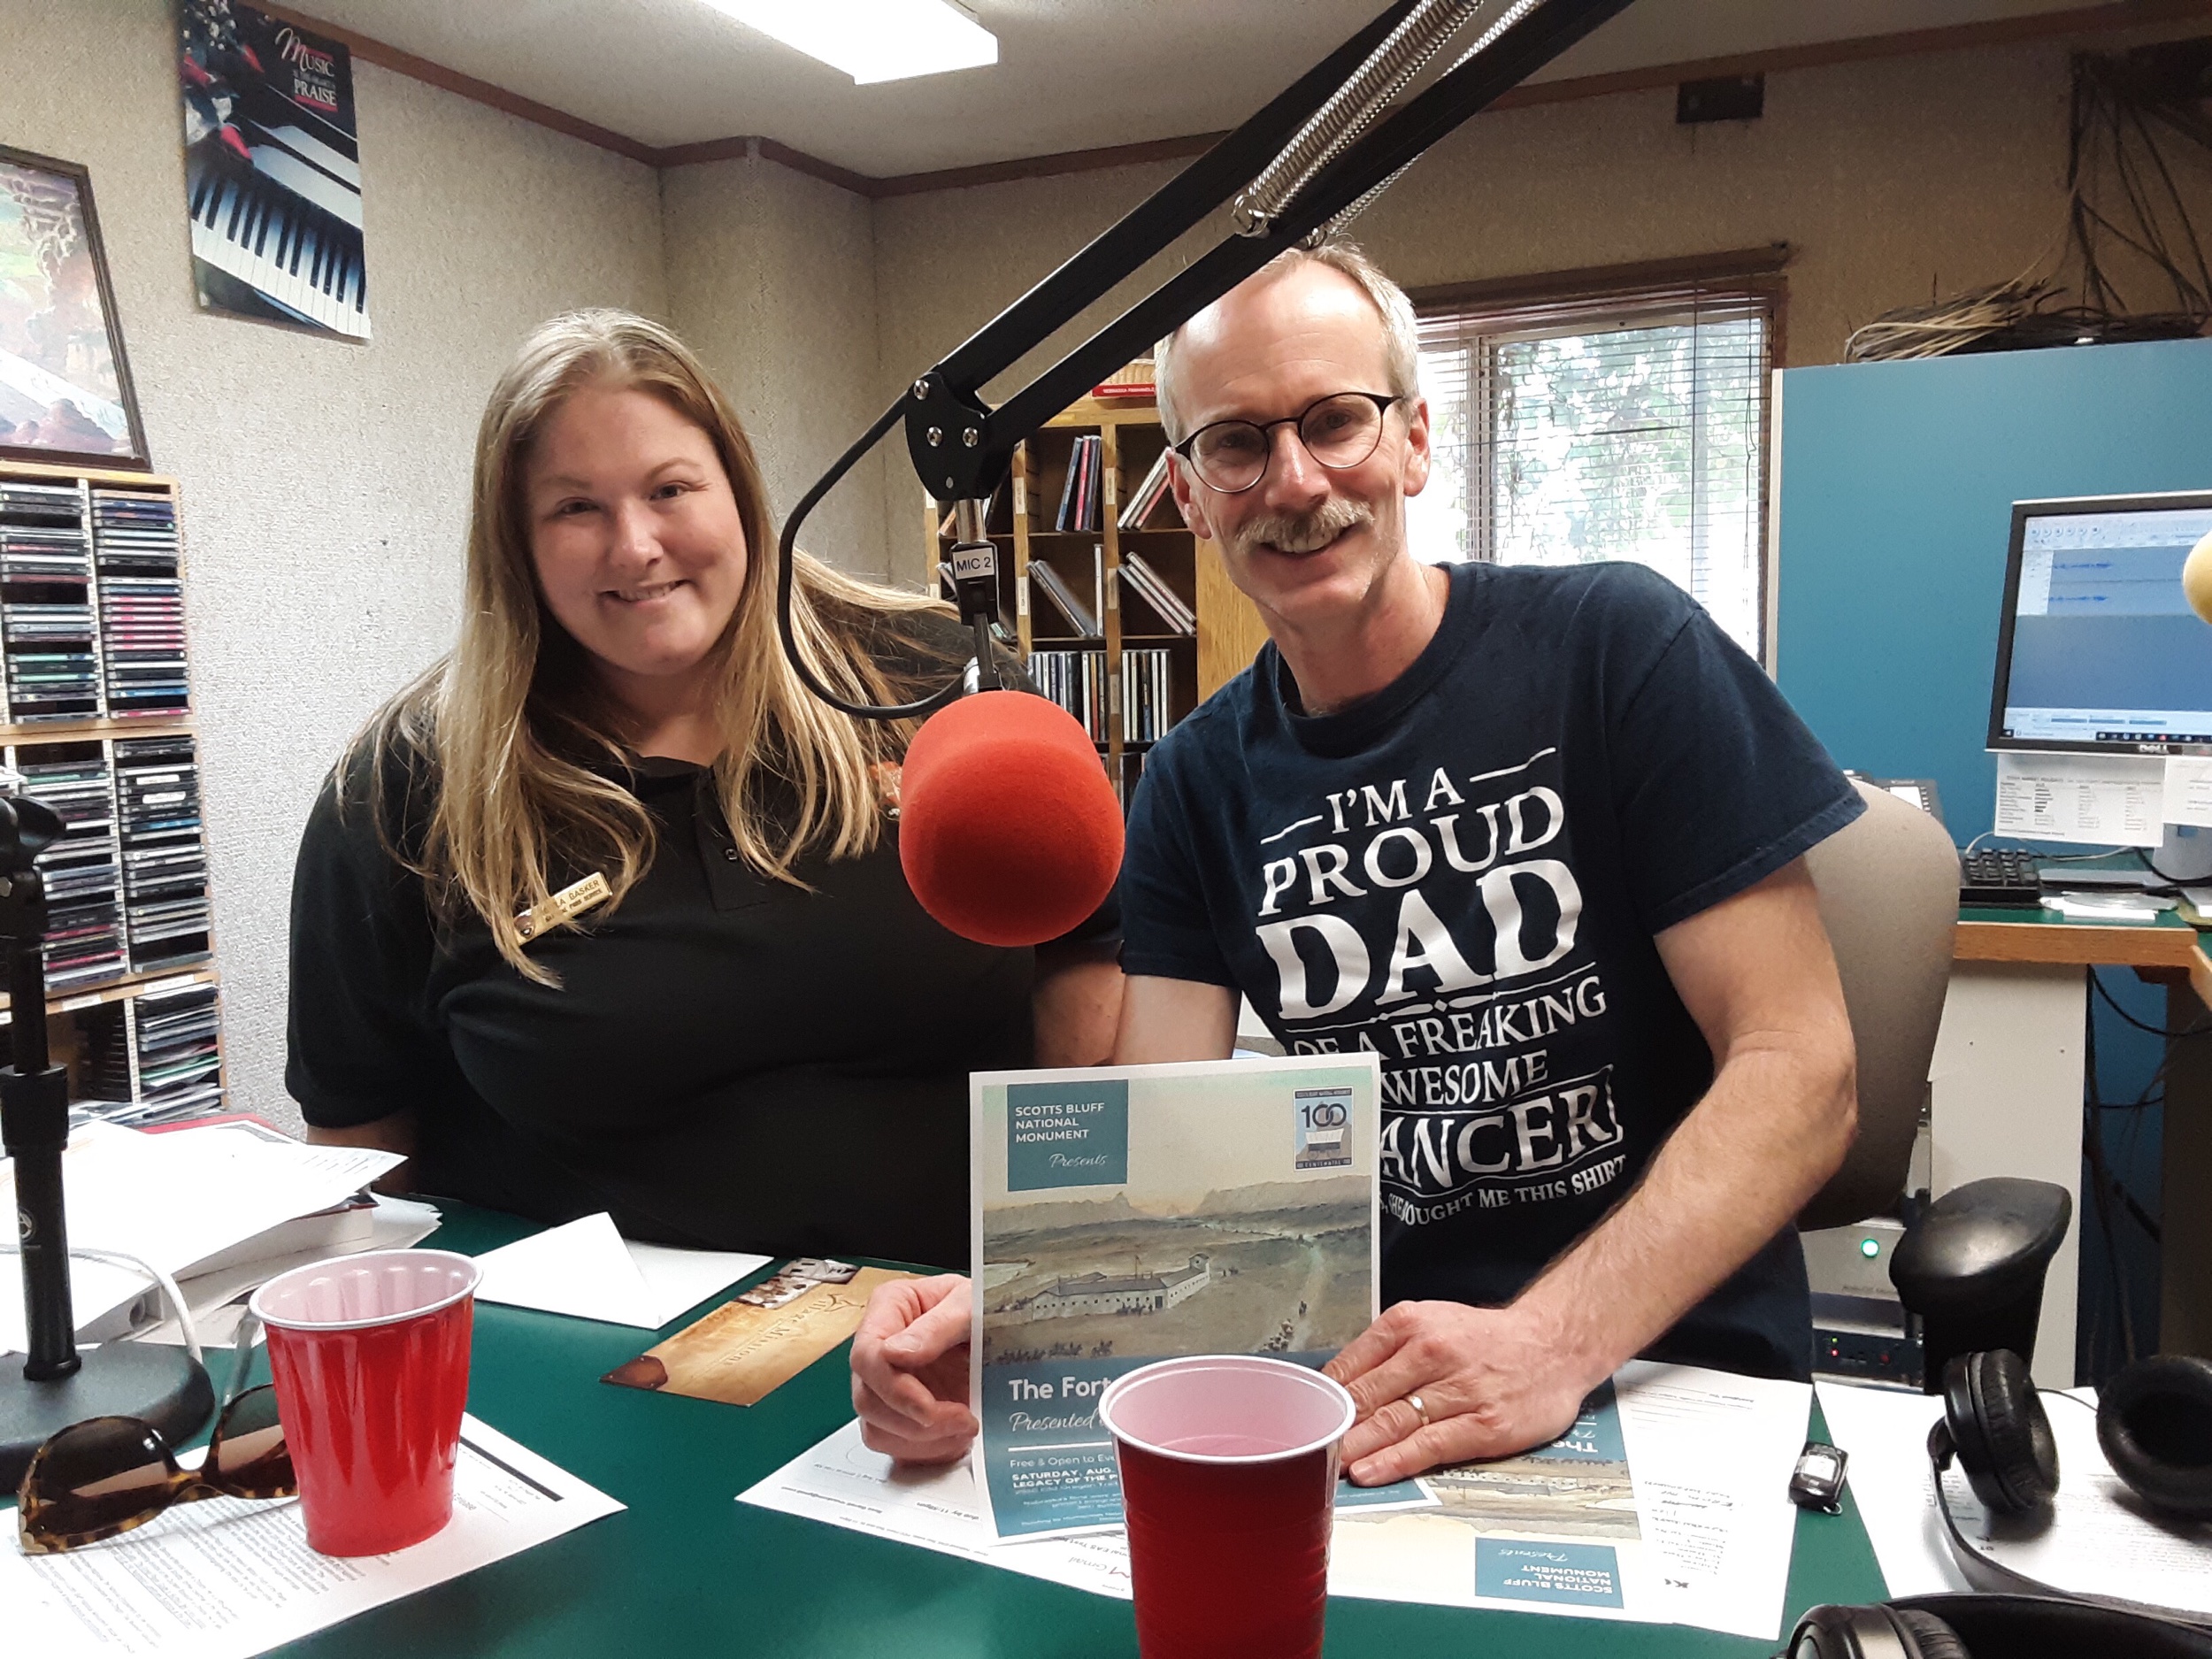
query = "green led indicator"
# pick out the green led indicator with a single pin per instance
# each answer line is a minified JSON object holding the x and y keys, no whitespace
{"x":1870,"y":1247}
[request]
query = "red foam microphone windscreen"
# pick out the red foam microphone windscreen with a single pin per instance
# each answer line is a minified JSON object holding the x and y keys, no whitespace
{"x":1009,"y":832}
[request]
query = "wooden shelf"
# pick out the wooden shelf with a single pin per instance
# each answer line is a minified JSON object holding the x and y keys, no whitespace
{"x":2169,"y":942}
{"x":1130,"y":440}
{"x":104,"y":476}
{"x":122,"y":990}
{"x":86,"y":731}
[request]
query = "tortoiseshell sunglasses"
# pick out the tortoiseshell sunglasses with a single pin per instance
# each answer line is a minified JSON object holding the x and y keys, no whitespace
{"x":107,"y":1475}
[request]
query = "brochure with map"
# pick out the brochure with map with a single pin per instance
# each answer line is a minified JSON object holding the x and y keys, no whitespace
{"x":1127,"y":1214}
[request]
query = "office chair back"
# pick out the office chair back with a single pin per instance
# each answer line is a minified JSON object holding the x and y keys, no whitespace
{"x":1889,"y":895}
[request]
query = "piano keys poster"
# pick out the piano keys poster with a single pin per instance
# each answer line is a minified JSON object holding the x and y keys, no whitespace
{"x":272,"y":170}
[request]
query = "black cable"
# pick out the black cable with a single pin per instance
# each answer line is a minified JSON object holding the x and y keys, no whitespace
{"x":2172,"y":881}
{"x":787,"y":562}
{"x":2201,"y":1028}
{"x":2132,"y":1105}
{"x":2101,"y":1177}
{"x":2143,"y":1218}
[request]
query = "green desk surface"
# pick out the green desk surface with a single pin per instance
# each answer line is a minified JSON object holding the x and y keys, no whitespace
{"x":688,"y":1573}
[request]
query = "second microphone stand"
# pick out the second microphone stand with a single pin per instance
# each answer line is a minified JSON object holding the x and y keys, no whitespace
{"x":57,"y":1383}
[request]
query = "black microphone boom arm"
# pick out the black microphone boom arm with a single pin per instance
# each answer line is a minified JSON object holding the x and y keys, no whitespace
{"x":1307,"y":162}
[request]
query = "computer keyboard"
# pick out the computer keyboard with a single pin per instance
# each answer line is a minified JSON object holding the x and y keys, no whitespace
{"x":2001,"y":876}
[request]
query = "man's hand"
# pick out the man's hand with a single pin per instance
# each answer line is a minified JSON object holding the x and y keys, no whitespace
{"x":1492,"y":1381}
{"x":910,"y":1370}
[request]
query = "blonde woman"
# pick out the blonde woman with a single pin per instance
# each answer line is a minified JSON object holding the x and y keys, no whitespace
{"x":756,"y":1038}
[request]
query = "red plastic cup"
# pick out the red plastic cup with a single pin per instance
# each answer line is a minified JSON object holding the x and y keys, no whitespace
{"x":371,"y":1357}
{"x":1228,"y":1479}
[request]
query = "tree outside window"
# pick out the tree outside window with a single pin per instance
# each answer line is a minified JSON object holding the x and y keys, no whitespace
{"x":1628,"y":427}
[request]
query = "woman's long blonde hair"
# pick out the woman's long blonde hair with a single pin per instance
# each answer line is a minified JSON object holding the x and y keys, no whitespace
{"x":510,"y":721}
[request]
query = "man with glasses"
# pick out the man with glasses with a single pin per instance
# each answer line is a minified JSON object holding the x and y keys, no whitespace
{"x":1532,"y":835}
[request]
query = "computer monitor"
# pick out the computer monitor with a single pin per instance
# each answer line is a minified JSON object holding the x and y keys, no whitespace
{"x":2098,"y":651}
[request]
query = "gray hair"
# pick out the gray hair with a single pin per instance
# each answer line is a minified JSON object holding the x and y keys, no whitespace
{"x":1401,"y":341}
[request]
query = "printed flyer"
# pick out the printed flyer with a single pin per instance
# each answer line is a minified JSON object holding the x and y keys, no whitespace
{"x":1557,"y":1525}
{"x":1129,"y":1214}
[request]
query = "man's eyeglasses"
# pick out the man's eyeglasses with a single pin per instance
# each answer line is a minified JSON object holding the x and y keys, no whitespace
{"x":107,"y":1475}
{"x":1339,"y":431}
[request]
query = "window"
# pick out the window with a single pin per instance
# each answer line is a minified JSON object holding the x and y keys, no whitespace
{"x":1628,"y":423}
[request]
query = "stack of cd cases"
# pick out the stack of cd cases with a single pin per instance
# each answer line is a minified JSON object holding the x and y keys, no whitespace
{"x":180,"y":1063}
{"x":165,"y":864}
{"x":155,"y":1058}
{"x":84,"y":939}
{"x":53,"y":669}
{"x":141,"y":602}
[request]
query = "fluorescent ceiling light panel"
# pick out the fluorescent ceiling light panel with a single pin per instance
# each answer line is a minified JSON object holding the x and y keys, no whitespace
{"x":873,"y":39}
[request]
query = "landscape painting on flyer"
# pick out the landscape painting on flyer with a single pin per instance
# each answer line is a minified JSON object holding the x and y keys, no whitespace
{"x":1129,"y":1214}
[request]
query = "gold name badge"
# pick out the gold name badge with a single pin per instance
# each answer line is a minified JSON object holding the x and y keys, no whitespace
{"x":566,"y":905}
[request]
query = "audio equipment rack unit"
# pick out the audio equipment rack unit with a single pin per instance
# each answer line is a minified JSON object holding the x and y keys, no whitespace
{"x":96,"y":717}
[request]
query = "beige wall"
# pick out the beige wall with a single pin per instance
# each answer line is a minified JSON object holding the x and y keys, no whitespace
{"x":771,"y":278}
{"x":1892,"y":179}
{"x":323,"y":483}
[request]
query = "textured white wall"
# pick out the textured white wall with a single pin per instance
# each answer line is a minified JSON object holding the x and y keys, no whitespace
{"x":771,"y":280}
{"x":324,"y":484}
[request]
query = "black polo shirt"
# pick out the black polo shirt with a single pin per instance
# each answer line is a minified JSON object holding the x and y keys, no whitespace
{"x":728,"y":1061}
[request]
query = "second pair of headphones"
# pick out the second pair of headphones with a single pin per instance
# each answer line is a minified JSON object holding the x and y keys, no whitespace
{"x":2154,"y":1424}
{"x":2154,"y":1421}
{"x":1992,"y":1627}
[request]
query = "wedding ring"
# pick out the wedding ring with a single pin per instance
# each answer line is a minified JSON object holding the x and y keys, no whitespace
{"x":1420,"y":1411}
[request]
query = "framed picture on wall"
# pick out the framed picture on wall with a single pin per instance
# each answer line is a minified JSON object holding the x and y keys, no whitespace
{"x":65,"y":388}
{"x":272,"y":170}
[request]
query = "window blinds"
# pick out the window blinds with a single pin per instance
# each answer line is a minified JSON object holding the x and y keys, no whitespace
{"x":1614,"y":428}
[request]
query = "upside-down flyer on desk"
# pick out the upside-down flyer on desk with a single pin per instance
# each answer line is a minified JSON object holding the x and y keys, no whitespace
{"x":1129,"y":1214}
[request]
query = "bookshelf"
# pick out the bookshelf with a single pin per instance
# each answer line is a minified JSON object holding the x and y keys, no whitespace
{"x":95,"y":721}
{"x":1145,"y":662}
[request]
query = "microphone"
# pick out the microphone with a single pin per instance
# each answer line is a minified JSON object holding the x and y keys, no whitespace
{"x":2196,"y":578}
{"x":1009,"y":832}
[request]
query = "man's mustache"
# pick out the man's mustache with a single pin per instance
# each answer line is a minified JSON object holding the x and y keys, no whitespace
{"x":1303,"y":532}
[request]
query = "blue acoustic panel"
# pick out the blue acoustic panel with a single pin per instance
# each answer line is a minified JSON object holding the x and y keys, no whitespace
{"x":1897,"y":482}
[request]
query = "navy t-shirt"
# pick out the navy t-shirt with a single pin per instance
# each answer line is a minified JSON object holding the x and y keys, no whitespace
{"x":1464,"y":872}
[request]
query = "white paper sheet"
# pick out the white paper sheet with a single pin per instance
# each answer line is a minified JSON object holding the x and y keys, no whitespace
{"x":840,"y":1481}
{"x":1884,"y":1433}
{"x":225,"y":1577}
{"x":2139,"y":910}
{"x":588,"y":1271}
{"x":178,"y":1199}
{"x":2098,"y":1539}
{"x":2099,"y":800}
{"x":1712,"y":1456}
{"x":843,"y":1483}
{"x":2188,"y":794}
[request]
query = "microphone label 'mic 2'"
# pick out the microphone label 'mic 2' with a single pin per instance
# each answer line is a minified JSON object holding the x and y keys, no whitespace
{"x":971,"y":563}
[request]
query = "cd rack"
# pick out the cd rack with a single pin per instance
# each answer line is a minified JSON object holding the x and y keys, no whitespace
{"x":94,"y":722}
{"x":141,"y":604}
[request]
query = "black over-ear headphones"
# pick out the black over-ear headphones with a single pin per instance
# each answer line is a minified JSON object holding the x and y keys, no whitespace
{"x":2153,"y":1423}
{"x":1993,"y":1627}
